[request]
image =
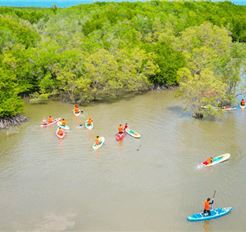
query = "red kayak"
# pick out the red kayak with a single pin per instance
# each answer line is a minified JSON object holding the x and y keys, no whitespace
{"x":46,"y":124}
{"x":60,"y":136}
{"x":119,"y":136}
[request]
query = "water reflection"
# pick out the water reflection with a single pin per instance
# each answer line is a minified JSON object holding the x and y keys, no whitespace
{"x":206,"y":227}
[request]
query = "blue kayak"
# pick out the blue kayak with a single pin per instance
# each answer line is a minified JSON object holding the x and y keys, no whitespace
{"x":215,"y":213}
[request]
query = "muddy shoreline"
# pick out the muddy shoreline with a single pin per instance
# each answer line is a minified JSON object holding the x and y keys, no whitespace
{"x":13,"y":121}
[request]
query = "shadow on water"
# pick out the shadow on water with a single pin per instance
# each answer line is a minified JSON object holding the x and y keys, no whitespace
{"x":110,"y":100}
{"x":179,"y":111}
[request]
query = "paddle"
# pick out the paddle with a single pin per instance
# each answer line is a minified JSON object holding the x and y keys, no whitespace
{"x":214,"y":197}
{"x":214,"y":193}
{"x":80,"y":126}
{"x":139,"y":147}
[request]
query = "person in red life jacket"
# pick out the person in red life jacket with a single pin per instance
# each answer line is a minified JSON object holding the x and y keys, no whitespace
{"x":207,"y":206}
{"x":120,"y":129}
{"x":242,"y":102}
{"x":60,"y":131}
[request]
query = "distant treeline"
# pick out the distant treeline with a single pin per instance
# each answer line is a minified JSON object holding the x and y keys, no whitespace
{"x":105,"y":50}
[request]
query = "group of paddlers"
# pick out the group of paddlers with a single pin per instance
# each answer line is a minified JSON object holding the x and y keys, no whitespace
{"x":89,"y":121}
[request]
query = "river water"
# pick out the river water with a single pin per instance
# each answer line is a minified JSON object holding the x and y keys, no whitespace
{"x":150,"y":184}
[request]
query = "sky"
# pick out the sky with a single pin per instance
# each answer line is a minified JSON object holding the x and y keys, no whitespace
{"x":64,"y":3}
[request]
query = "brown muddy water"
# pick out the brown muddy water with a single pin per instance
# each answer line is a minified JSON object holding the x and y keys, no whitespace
{"x":149,"y":184}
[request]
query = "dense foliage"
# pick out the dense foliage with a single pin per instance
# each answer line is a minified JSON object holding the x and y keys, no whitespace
{"x":106,"y":50}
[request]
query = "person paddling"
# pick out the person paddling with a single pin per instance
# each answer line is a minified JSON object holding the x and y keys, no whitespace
{"x":63,"y":122}
{"x":209,"y":161}
{"x":89,"y":121}
{"x":120,"y":129}
{"x":207,"y":206}
{"x":97,"y":140}
{"x":242,"y":102}
{"x":50,"y":119}
{"x":76,"y":109}
{"x":60,"y":131}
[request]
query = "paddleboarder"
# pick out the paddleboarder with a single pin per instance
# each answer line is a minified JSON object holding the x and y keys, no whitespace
{"x":63,"y":122}
{"x":207,"y":206}
{"x":89,"y":121}
{"x":209,"y":161}
{"x":50,"y":119}
{"x":97,"y":141}
{"x":242,"y":102}
{"x":120,"y":129}
{"x":60,"y":131}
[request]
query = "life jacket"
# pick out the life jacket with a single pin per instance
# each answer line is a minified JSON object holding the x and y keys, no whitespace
{"x":97,"y":141}
{"x":209,"y":160}
{"x":89,"y":121}
{"x":63,"y":122}
{"x":206,"y":205}
{"x":60,"y":132}
{"x":242,"y":102}
{"x":120,"y":129}
{"x":76,"y":108}
{"x":50,"y":119}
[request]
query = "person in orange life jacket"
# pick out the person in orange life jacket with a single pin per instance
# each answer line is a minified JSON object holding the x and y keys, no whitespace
{"x":97,"y":140}
{"x":209,"y":160}
{"x":120,"y":129}
{"x":89,"y":121}
{"x":207,"y":206}
{"x":76,"y":108}
{"x":60,"y":131}
{"x":63,"y":122}
{"x":242,"y":102}
{"x":50,"y":119}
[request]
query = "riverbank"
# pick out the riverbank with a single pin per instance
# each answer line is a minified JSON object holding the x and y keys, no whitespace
{"x":72,"y":55}
{"x":19,"y":119}
{"x":13,"y":121}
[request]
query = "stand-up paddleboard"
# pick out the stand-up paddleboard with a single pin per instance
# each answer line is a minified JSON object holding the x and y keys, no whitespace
{"x":242,"y":107}
{"x":133,"y":133}
{"x":89,"y":127}
{"x":60,"y":136}
{"x":217,"y":160}
{"x":102,"y":141}
{"x":66,"y":127}
{"x":119,"y":136}
{"x":77,"y":114}
{"x":225,"y":108}
{"x":43,"y":125}
{"x":215,"y":213}
{"x":229,"y":108}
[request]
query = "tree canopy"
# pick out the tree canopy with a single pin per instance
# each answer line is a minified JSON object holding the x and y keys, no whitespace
{"x":105,"y":50}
